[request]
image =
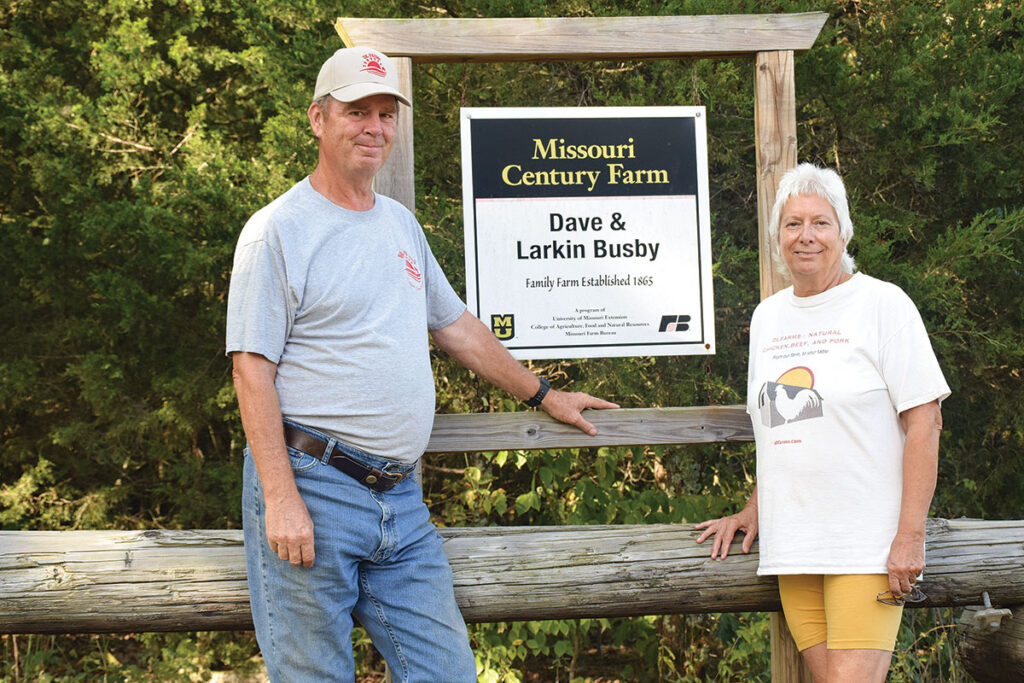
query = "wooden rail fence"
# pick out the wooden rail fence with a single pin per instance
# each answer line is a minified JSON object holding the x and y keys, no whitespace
{"x":164,"y":580}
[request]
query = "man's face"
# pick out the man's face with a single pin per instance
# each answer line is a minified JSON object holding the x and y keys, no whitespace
{"x":355,"y":136}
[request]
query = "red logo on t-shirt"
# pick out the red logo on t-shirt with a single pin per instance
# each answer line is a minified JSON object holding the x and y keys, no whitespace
{"x":412,"y":273}
{"x":373,"y":65}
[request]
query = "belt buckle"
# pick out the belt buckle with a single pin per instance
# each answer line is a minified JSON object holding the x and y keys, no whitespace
{"x":395,"y":478}
{"x":377,"y":477}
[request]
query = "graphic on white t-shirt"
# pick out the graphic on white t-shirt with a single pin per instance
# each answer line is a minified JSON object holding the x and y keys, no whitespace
{"x":791,"y":398}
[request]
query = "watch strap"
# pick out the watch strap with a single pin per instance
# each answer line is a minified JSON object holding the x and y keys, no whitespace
{"x":538,"y":398}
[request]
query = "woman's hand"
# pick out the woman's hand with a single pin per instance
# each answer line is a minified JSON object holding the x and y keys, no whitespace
{"x":906,"y":562}
{"x":724,"y":528}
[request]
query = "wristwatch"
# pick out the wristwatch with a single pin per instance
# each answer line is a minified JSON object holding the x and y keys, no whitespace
{"x":538,"y":398}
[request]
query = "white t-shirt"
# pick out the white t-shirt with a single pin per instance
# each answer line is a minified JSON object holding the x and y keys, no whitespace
{"x":342,"y":301}
{"x":829,"y":375}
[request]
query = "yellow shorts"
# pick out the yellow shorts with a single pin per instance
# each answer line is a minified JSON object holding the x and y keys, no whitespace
{"x":840,"y":611}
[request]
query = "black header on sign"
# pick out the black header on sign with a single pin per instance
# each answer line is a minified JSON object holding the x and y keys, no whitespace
{"x":584,"y":157}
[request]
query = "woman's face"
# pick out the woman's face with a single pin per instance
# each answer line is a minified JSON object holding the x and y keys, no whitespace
{"x":810,"y":243}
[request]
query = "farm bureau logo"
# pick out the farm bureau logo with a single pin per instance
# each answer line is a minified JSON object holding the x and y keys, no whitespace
{"x":790,"y":399}
{"x":412,"y":273}
{"x":674,"y":323}
{"x":373,"y":65}
{"x":503,"y":325}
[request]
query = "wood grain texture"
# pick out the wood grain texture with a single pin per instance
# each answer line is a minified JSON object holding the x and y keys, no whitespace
{"x":582,"y":38}
{"x":118,"y":581}
{"x":775,"y":144}
{"x":534,"y":429}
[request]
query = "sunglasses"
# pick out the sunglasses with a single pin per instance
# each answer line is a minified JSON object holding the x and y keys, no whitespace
{"x":915,"y":595}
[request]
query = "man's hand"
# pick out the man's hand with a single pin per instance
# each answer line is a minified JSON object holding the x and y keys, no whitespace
{"x":290,"y":530}
{"x":568,"y":407}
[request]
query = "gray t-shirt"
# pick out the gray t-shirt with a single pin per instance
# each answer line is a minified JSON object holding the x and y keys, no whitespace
{"x":342,"y":301}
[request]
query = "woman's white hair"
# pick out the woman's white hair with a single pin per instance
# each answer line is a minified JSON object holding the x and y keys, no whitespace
{"x":808,"y":179}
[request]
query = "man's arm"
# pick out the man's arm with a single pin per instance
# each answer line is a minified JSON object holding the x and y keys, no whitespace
{"x":469,"y":341}
{"x":289,"y":526}
{"x":922,"y":425}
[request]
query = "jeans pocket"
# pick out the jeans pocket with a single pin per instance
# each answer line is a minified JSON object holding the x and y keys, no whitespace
{"x":300,"y":461}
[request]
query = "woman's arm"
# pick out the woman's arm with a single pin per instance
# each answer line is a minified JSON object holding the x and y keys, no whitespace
{"x":922,"y":425}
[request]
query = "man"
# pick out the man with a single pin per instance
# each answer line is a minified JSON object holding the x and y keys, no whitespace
{"x":332,"y":294}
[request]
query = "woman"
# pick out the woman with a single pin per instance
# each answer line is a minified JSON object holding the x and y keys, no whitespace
{"x":843,"y":390}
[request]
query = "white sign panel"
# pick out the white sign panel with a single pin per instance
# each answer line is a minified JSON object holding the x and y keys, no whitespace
{"x":587,"y":230}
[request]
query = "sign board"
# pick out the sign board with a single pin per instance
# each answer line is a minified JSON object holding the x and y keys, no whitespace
{"x":587,"y":230}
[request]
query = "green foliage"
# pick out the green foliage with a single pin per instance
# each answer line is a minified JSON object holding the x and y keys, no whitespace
{"x":137,"y":137}
{"x":925,"y":648}
{"x":135,"y":658}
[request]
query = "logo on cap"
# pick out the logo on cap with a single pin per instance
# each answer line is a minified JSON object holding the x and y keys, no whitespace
{"x":373,"y":65}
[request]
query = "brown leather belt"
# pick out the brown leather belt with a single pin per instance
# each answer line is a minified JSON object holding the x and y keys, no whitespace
{"x":314,"y":446}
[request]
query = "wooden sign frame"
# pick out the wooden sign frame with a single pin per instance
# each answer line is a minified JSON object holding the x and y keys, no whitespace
{"x":772,"y":40}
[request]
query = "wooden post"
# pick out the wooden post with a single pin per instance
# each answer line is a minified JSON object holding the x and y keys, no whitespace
{"x":397,"y":179}
{"x":775,"y":142}
{"x":787,"y":663}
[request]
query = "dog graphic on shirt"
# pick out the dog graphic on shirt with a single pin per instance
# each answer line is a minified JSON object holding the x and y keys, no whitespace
{"x":789,"y":399}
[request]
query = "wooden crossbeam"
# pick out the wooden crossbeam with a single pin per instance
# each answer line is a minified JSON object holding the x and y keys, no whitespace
{"x":527,"y":430}
{"x":583,"y":38}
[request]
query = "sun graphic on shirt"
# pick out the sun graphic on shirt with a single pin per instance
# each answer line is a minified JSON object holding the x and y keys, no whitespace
{"x":797,"y":377}
{"x":791,"y":398}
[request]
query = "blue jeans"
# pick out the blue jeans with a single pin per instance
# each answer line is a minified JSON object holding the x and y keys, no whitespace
{"x":378,"y":558}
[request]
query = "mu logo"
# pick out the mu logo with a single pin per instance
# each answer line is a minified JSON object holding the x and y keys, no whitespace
{"x":503,"y":325}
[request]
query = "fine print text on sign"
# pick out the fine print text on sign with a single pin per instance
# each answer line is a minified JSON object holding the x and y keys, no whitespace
{"x":587,"y":230}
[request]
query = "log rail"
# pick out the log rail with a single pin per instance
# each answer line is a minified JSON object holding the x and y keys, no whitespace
{"x":134,"y":581}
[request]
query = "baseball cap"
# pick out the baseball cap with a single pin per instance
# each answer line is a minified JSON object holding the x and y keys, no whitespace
{"x":353,"y":73}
